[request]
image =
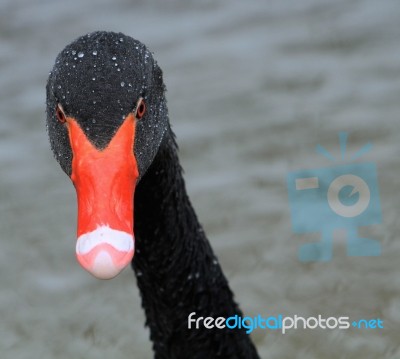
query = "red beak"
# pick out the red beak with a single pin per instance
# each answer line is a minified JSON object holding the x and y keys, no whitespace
{"x":105,"y":185}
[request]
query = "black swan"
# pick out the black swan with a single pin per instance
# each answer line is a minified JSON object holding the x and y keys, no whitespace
{"x":108,"y":124}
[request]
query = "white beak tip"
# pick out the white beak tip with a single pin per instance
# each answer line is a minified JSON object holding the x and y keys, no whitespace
{"x":105,"y":252}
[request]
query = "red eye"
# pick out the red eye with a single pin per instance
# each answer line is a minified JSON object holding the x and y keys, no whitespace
{"x":140,"y":109}
{"x":60,"y":114}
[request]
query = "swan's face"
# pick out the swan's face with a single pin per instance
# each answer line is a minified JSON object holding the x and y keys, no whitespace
{"x":106,"y":117}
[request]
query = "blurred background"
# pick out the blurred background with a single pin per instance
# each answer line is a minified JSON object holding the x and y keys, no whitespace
{"x":253,"y":87}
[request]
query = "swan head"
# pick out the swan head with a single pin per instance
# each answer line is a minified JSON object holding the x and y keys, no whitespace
{"x":106,"y":118}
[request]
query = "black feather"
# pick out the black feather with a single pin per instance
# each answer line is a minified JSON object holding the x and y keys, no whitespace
{"x":98,"y":80}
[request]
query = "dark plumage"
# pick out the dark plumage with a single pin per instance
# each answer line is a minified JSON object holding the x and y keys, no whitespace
{"x":177,"y":271}
{"x":98,"y":79}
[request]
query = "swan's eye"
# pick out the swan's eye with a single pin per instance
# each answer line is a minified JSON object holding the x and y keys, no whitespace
{"x":140,"y":109}
{"x":60,"y":114}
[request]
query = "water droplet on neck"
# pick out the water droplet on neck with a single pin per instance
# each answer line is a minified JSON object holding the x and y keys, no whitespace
{"x":122,"y":84}
{"x":94,"y":53}
{"x":81,"y":54}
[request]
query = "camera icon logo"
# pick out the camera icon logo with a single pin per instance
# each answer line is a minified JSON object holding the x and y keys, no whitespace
{"x":338,"y":197}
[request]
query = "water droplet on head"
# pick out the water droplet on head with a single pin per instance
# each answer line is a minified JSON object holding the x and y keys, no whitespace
{"x":94,"y":52}
{"x":121,"y":39}
{"x":94,"y":79}
{"x":114,"y":58}
{"x":122,"y":84}
{"x":81,"y":54}
{"x":59,"y":86}
{"x":93,"y":121}
{"x":73,"y":52}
